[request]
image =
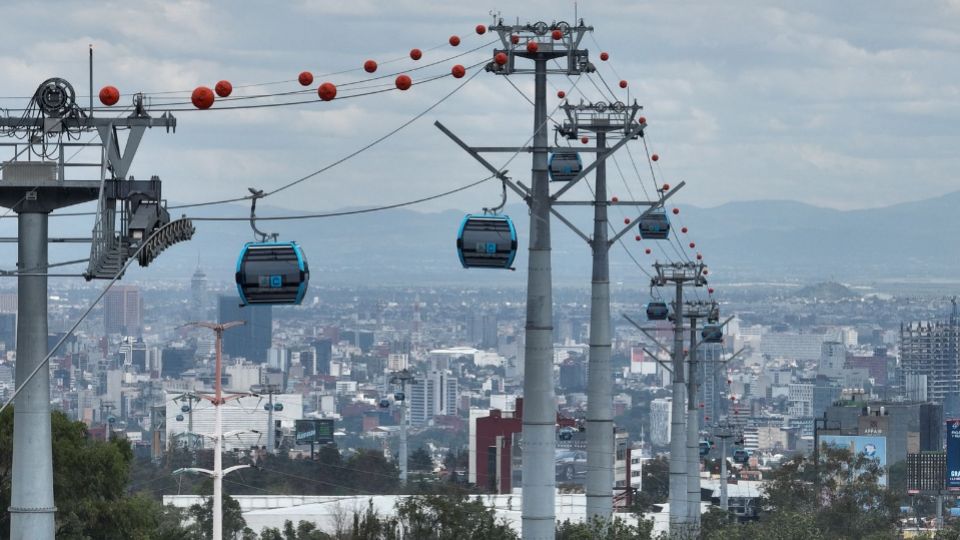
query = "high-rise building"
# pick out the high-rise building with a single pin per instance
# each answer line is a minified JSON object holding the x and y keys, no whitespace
{"x":198,"y":296}
{"x":932,"y":349}
{"x":123,"y":311}
{"x":175,"y":360}
{"x":253,"y":339}
{"x":8,"y":330}
{"x":660,"y":421}
{"x":435,"y":394}
{"x":833,"y":357}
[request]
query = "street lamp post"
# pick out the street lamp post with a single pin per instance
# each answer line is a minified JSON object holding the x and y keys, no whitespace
{"x":218,"y":400}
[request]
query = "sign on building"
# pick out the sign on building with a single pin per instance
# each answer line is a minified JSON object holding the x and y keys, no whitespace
{"x":871,"y":446}
{"x":314,"y":431}
{"x":953,"y":454}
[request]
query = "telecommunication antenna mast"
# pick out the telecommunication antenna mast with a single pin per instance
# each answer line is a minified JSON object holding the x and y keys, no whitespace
{"x":33,"y":188}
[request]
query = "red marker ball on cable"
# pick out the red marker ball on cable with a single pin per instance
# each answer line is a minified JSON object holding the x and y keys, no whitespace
{"x":561,"y":94}
{"x":403,"y":82}
{"x":514,"y":39}
{"x":481,"y":29}
{"x":327,"y":91}
{"x":557,"y":35}
{"x":655,"y":157}
{"x":532,"y":47}
{"x":109,"y":95}
{"x":370,"y":66}
{"x":305,"y":78}
{"x":676,"y":211}
{"x":458,"y":71}
{"x":500,"y":58}
{"x":666,"y":187}
{"x":416,"y":54}
{"x":604,"y":56}
{"x":454,"y":40}
{"x":623,"y":84}
{"x":202,"y":97}
{"x":223,"y":88}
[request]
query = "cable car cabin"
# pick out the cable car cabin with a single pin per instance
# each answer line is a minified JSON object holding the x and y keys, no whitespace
{"x":272,"y":273}
{"x":741,"y":456}
{"x":712,"y":333}
{"x":564,"y":165}
{"x":655,"y":225}
{"x":704,"y":448}
{"x":657,"y":311}
{"x":486,"y":241}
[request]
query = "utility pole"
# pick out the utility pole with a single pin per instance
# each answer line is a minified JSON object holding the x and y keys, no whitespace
{"x":403,"y":378}
{"x":270,"y":390}
{"x":217,"y":400}
{"x":33,"y":188}
{"x":679,"y":274}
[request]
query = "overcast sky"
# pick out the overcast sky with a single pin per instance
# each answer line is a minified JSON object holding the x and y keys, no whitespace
{"x":847,"y":104}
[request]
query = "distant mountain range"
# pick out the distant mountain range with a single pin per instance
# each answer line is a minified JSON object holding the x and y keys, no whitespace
{"x":756,"y":240}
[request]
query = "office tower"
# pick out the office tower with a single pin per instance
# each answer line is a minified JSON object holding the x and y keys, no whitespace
{"x":833,"y":357}
{"x":253,"y":339}
{"x":930,"y":350}
{"x":434,"y":394}
{"x":175,"y":360}
{"x":198,"y":296}
{"x":8,"y":330}
{"x":660,"y":421}
{"x":123,"y":311}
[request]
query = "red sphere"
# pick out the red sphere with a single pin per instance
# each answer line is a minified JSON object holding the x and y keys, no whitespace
{"x":626,"y":221}
{"x":532,"y":47}
{"x":327,"y":91}
{"x":561,"y":94}
{"x":666,"y":187}
{"x":701,"y":405}
{"x":604,"y":56}
{"x":623,"y":84}
{"x":683,"y":230}
{"x":454,"y":40}
{"x":458,"y":71}
{"x":416,"y":54}
{"x":729,"y":381}
{"x":557,"y":35}
{"x":305,"y":78}
{"x":584,"y":140}
{"x":710,"y":291}
{"x":693,"y":245}
{"x":637,"y":238}
{"x":655,"y":157}
{"x":642,"y":120}
{"x":705,"y":271}
{"x":403,"y":82}
{"x":676,"y":211}
{"x":699,"y":257}
{"x":481,"y":29}
{"x":202,"y":97}
{"x":370,"y":66}
{"x":223,"y":88}
{"x":500,"y":58}
{"x":647,"y":251}
{"x":109,"y":95}
{"x":514,"y":39}
{"x":615,"y":199}
{"x":706,"y":417}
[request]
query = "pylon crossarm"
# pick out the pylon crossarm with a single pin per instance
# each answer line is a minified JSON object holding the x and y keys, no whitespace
{"x":640,"y":328}
{"x":664,"y":366}
{"x":627,"y":137}
{"x":570,"y":224}
{"x":499,"y":174}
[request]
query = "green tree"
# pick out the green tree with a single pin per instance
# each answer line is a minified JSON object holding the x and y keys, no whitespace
{"x":420,"y":460}
{"x":655,"y":487}
{"x":618,"y":529}
{"x":851,"y":503}
{"x":90,"y":479}
{"x":451,"y":517}
{"x":202,"y":514}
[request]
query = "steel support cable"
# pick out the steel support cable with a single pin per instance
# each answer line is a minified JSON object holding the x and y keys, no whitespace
{"x":329,"y":74}
{"x":356,"y":82}
{"x":375,"y":141}
{"x":316,"y":172}
{"x":44,"y":364}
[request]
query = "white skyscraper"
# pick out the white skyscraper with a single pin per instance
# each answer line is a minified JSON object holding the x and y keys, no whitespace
{"x":660,"y":421}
